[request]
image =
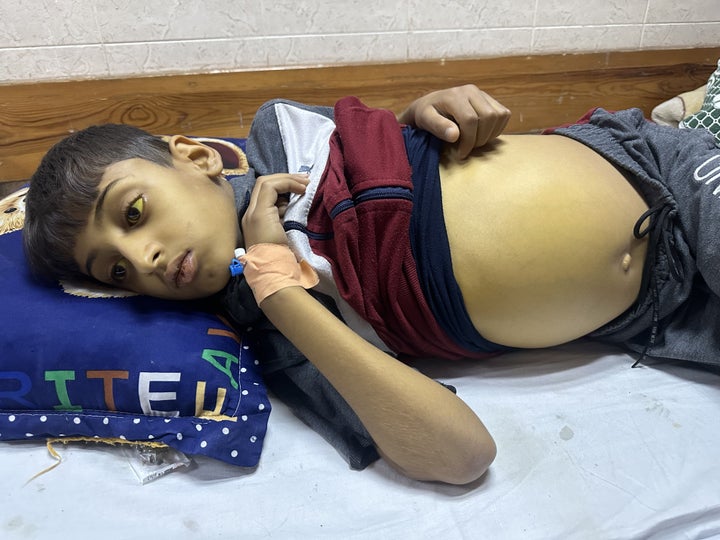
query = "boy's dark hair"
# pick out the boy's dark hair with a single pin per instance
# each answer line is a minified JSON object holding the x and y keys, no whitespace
{"x":65,"y":187}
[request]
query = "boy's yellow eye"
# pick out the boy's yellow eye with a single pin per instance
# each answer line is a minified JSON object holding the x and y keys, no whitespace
{"x":134,"y":211}
{"x":118,"y":271}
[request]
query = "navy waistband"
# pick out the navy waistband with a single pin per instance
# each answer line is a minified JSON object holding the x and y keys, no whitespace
{"x":430,"y":246}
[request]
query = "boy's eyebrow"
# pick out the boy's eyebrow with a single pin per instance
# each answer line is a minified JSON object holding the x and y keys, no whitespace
{"x":98,"y":217}
{"x":101,"y":198}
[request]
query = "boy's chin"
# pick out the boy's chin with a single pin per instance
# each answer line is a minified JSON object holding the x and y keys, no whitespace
{"x":200,"y":290}
{"x":192,"y":294}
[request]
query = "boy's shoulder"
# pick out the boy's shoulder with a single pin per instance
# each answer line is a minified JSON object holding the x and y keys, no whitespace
{"x":269,"y":107}
{"x":266,"y":117}
{"x":271,"y":130}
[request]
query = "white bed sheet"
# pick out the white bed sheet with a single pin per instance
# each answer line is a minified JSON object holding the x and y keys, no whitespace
{"x":588,"y":448}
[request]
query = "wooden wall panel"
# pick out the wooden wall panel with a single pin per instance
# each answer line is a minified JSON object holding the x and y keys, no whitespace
{"x":541,"y":90}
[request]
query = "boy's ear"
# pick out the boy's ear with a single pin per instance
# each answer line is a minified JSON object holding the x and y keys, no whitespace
{"x":186,"y":149}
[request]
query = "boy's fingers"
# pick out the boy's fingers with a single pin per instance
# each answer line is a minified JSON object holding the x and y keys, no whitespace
{"x":479,"y":117}
{"x":436,"y":120}
{"x":283,"y":183}
{"x":464,"y":115}
{"x":485,"y":119}
{"x":261,"y":222}
{"x":269,"y":188}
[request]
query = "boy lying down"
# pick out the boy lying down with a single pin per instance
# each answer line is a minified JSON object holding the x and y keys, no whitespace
{"x":393,"y":243}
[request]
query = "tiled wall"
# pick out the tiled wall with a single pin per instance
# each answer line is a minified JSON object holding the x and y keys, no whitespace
{"x":75,"y":39}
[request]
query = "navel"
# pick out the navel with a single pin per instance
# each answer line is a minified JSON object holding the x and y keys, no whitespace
{"x":626,"y":260}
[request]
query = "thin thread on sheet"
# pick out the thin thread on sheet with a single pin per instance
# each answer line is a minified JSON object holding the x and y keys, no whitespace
{"x":97,"y":440}
{"x":55,"y":455}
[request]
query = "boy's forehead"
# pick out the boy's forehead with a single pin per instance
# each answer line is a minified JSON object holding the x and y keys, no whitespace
{"x":124,"y":167}
{"x":125,"y":170}
{"x":116,"y":170}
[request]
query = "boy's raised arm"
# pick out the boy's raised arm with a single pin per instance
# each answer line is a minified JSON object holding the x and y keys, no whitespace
{"x":420,"y":427}
{"x":464,"y":115}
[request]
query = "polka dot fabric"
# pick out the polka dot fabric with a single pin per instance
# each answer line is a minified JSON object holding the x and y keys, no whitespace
{"x":234,"y":436}
{"x":131,"y":368}
{"x":708,"y":117}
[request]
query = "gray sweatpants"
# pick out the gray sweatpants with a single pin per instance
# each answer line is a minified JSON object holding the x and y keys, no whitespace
{"x":677,"y":171}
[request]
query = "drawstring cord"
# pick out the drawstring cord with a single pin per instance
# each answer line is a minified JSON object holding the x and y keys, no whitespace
{"x":659,"y":228}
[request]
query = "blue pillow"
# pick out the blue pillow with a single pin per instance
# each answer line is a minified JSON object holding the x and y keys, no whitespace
{"x":124,"y":369}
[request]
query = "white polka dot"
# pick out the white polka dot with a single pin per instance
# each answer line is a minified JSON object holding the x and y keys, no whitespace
{"x":123,"y":437}
{"x":203,"y":444}
{"x":253,"y":438}
{"x":106,"y":421}
{"x":28,"y":434}
{"x":243,"y":418}
{"x":76,"y":420}
{"x":257,"y":362}
{"x":246,"y":347}
{"x":225,"y":431}
{"x":234,"y":453}
{"x":167,"y":420}
{"x":43,"y":418}
{"x":136,"y":420}
{"x":151,"y":436}
{"x":11,"y":418}
{"x":244,"y":392}
{"x":179,"y":436}
{"x":243,"y":370}
{"x":256,"y":384}
{"x":261,"y":407}
{"x":198,"y":427}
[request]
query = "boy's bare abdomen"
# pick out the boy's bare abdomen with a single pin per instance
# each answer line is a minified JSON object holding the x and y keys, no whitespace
{"x":541,"y":237}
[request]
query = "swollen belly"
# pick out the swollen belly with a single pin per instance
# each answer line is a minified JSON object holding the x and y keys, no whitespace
{"x":540,"y":230}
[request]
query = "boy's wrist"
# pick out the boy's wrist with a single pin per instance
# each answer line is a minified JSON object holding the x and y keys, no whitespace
{"x":269,"y":268}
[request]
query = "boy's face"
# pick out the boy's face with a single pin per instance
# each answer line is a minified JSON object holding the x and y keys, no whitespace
{"x":159,"y":231}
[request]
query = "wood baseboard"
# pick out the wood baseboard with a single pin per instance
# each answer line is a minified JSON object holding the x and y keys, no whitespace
{"x":541,"y":91}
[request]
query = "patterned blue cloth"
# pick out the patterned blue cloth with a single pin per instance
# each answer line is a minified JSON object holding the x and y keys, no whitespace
{"x":134,"y":368}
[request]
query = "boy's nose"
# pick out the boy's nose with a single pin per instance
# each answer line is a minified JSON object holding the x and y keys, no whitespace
{"x":146,"y":256}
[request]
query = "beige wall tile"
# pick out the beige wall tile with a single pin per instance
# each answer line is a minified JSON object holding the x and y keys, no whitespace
{"x":681,"y":35}
{"x":303,"y":17}
{"x":469,"y":14}
{"x":586,"y":38}
{"x":61,"y":39}
{"x":470,"y":43}
{"x":31,"y":23}
{"x":337,"y":49}
{"x":185,"y":57}
{"x":573,"y":12}
{"x":671,"y":11}
{"x":159,"y":20}
{"x":52,"y":63}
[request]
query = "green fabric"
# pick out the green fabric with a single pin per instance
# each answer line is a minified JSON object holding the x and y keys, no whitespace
{"x":708,"y":117}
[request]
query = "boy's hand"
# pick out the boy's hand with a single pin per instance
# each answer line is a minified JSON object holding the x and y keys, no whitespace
{"x":268,"y":201}
{"x":464,"y":114}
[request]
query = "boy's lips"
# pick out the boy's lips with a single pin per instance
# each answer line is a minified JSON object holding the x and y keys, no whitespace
{"x":181,"y":271}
